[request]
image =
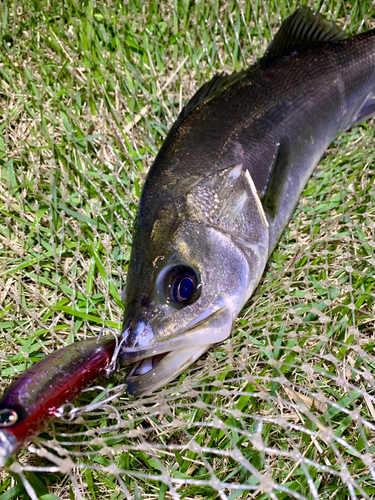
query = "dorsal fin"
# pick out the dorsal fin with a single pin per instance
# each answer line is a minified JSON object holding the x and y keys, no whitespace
{"x":210,"y":88}
{"x":301,"y":29}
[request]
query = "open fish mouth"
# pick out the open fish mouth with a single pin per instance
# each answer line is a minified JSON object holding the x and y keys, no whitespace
{"x":145,"y":365}
{"x":152,"y":372}
{"x":160,"y":361}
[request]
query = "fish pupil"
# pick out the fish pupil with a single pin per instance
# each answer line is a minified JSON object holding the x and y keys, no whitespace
{"x":186,"y":288}
{"x":179,"y":285}
{"x":8,"y":417}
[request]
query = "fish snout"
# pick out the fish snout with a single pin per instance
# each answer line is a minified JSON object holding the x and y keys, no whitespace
{"x":137,"y":335}
{"x":137,"y":348}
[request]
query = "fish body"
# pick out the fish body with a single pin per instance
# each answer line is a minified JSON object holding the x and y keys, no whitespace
{"x":33,"y":399}
{"x":225,"y":184}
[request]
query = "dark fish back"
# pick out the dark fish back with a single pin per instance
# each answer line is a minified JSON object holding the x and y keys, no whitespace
{"x":297,"y":103}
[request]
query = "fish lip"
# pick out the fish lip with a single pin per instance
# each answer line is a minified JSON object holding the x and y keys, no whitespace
{"x":191,"y":335}
{"x":131,"y":355}
{"x":181,"y":351}
{"x":8,"y":445}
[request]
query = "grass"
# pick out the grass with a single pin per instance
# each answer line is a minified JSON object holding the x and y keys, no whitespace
{"x":285,"y":409}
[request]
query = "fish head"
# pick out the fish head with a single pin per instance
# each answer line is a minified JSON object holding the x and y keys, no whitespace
{"x":189,"y":276}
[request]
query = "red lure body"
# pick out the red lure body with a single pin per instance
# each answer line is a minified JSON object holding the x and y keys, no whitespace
{"x":31,"y":401}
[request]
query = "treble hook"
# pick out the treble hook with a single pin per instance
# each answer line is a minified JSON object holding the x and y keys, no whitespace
{"x":112,"y":364}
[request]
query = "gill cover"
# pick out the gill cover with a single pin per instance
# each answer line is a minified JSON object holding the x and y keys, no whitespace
{"x":222,"y":233}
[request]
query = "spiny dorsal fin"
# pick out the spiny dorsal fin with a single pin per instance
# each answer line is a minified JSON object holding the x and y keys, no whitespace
{"x":210,"y":88}
{"x":301,"y":29}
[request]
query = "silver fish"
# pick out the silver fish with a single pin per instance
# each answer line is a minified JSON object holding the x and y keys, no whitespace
{"x":225,"y":184}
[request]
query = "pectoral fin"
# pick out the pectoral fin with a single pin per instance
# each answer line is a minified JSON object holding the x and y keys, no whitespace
{"x":277,"y":179}
{"x":366,"y":111}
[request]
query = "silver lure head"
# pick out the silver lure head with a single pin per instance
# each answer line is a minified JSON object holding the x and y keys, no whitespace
{"x":193,"y":266}
{"x":8,"y":445}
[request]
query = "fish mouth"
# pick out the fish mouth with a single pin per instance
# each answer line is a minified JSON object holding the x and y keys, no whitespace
{"x":157,"y":364}
{"x":151,"y":373}
{"x":144,"y":365}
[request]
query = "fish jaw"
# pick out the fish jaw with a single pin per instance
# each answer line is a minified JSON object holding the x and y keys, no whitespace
{"x":169,"y":367}
{"x":162,"y":361}
{"x":8,"y":445}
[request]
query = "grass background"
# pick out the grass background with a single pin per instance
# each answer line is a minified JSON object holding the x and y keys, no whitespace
{"x":285,"y":408}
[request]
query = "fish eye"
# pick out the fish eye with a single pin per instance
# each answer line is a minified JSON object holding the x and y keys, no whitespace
{"x":183,"y":289}
{"x":8,"y":418}
{"x":180,"y":284}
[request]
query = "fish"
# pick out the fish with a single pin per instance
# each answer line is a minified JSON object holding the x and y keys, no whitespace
{"x":225,"y":184}
{"x":37,"y":396}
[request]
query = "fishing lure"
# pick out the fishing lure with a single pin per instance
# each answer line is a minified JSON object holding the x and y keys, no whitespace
{"x":37,"y":396}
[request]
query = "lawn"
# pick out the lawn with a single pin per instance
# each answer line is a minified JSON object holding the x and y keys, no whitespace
{"x":284,"y":408}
